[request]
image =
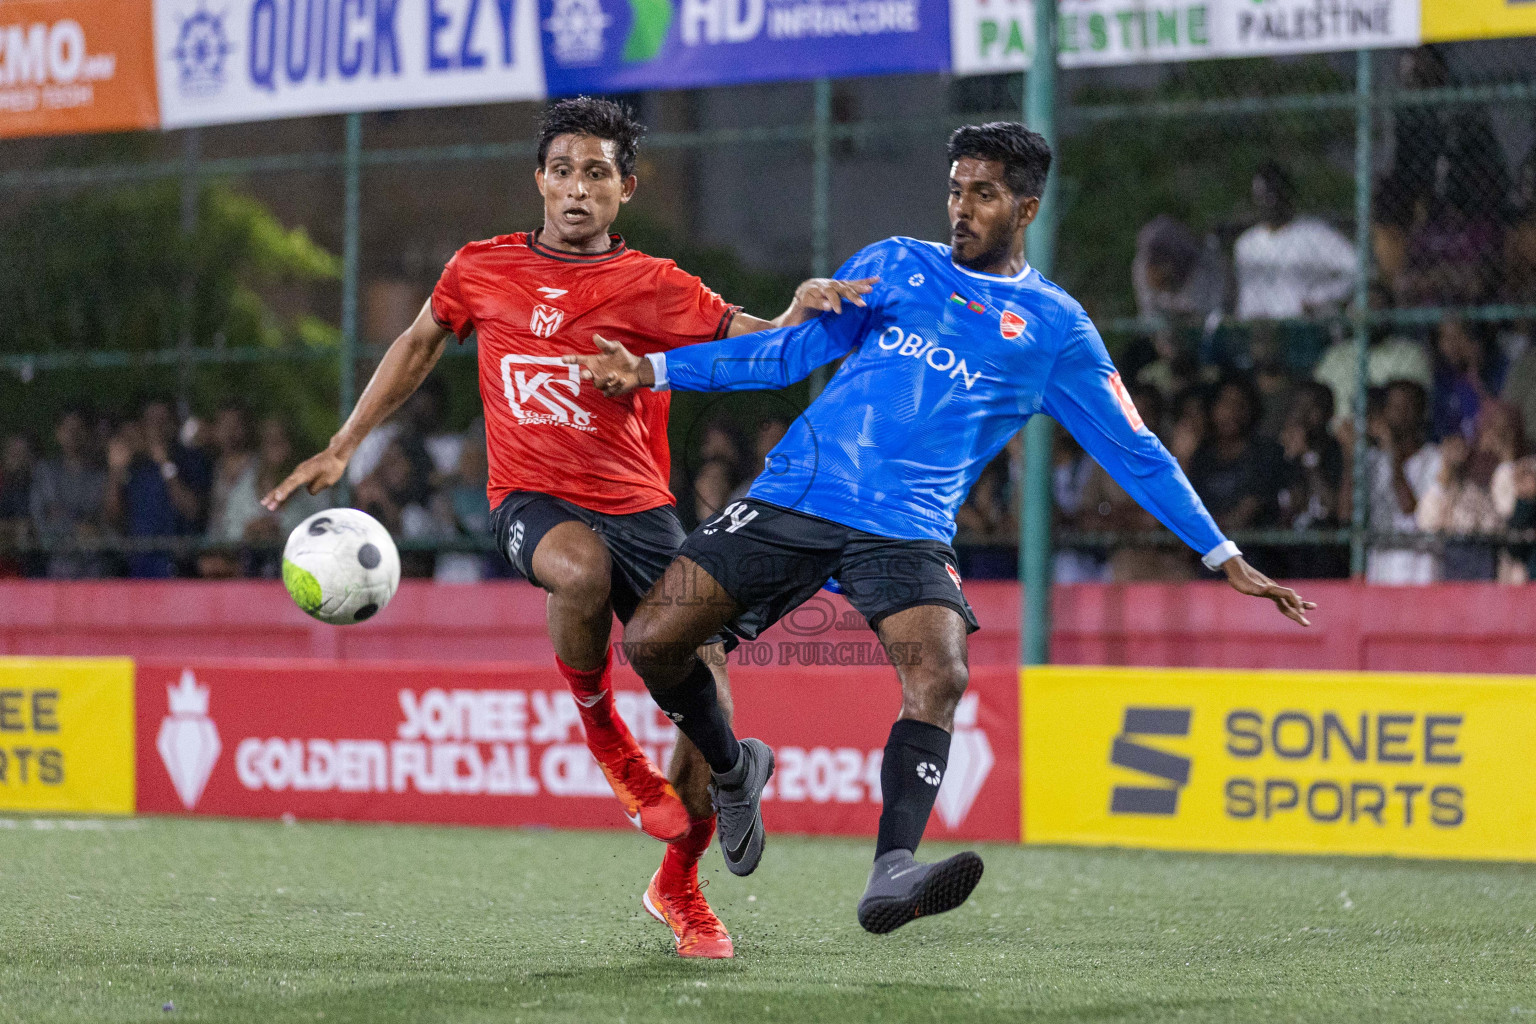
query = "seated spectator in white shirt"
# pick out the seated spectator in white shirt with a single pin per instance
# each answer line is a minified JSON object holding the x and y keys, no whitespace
{"x":1289,"y":267}
{"x":1400,"y":469}
{"x":1391,"y":356}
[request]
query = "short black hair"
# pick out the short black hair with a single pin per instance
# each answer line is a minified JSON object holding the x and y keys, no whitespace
{"x":1025,"y":155}
{"x":1277,"y":178}
{"x":599,"y":118}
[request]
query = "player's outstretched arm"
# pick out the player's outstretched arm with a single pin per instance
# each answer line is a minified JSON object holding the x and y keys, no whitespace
{"x":400,"y":373}
{"x":1084,"y":395}
{"x":774,"y":358}
{"x":1245,"y":579}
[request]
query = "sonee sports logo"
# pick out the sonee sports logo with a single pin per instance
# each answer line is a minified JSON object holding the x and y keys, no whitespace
{"x":1126,"y":752}
{"x":929,"y":773}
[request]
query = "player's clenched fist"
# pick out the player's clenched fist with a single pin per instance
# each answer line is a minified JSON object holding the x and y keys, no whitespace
{"x":316,"y":473}
{"x":615,"y":370}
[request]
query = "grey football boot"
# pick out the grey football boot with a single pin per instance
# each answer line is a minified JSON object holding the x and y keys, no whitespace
{"x":737,"y":796}
{"x":901,"y":889}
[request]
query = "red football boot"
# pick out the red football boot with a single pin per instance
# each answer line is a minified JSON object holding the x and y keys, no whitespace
{"x":650,"y":802}
{"x":681,"y":907}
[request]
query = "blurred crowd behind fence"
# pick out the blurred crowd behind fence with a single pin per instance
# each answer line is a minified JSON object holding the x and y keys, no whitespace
{"x":1317,"y":276}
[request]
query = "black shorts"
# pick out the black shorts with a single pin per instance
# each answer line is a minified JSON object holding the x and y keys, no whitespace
{"x":771,"y":560}
{"x":640,"y":544}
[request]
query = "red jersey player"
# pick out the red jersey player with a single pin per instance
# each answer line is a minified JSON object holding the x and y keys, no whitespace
{"x":578,"y":481}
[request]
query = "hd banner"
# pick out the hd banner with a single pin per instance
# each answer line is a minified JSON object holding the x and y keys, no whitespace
{"x":992,"y":36}
{"x":632,"y":45}
{"x":502,"y":744}
{"x":247,"y":60}
{"x":66,"y":735}
{"x":1295,"y":762}
{"x":70,"y":66}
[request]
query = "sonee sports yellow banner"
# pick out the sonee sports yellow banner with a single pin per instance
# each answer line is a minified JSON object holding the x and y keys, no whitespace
{"x":1302,"y":762}
{"x":66,"y":735}
{"x":1445,"y":20}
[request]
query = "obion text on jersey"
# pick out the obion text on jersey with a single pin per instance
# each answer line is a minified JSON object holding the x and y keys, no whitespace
{"x":894,"y":339}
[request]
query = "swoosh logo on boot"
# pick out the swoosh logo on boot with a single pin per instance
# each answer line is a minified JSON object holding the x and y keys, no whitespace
{"x":592,"y":701}
{"x":741,"y":848}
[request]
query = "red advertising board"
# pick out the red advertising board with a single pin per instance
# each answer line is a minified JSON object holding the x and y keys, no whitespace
{"x":500,"y":744}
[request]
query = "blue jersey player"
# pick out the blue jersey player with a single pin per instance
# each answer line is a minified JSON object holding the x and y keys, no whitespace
{"x":948,"y":353}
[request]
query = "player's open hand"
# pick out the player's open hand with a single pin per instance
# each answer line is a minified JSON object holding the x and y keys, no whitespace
{"x":316,"y":473}
{"x":614,"y":370}
{"x":827,"y":295}
{"x":1245,"y":579}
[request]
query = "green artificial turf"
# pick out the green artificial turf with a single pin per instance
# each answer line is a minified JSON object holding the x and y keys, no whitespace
{"x":232,"y":922}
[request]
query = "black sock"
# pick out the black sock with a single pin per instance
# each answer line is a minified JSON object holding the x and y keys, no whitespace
{"x":695,"y":707}
{"x":915,"y":758}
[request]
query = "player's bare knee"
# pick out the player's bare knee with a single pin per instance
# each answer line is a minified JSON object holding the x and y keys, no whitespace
{"x":932,"y":693}
{"x":579,"y":576}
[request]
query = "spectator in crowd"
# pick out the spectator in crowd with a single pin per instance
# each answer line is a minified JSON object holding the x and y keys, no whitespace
{"x":67,"y":498}
{"x":1453,"y":250}
{"x":1520,"y":239}
{"x":1400,"y":466}
{"x":1236,"y":472}
{"x":1312,"y":476}
{"x":1272,"y":377}
{"x":770,"y":431}
{"x":243,"y":520}
{"x":1105,"y":507}
{"x":396,"y":493}
{"x":1391,"y":356}
{"x":1523,"y":517}
{"x":1459,"y":501}
{"x":417,"y":426}
{"x":987,"y":526}
{"x":16,"y":462}
{"x":464,"y":511}
{"x":1520,"y":390}
{"x":234,"y":461}
{"x":1446,"y":162}
{"x":1188,"y":425}
{"x":1072,"y":469}
{"x":1469,"y":370}
{"x":1289,"y":267}
{"x":156,"y":486}
{"x":1176,"y":274}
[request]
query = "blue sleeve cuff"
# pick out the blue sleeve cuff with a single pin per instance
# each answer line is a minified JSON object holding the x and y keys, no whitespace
{"x":659,"y":368}
{"x":1216,"y":557}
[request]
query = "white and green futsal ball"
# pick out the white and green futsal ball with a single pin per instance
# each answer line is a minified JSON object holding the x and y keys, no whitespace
{"x":341,"y":566}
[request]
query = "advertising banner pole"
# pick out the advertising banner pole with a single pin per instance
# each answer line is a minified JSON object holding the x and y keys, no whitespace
{"x":351,"y":229}
{"x":821,"y":198}
{"x":1035,"y":523}
{"x":1363,"y":159}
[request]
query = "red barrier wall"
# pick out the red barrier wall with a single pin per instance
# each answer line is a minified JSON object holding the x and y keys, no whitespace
{"x":1451,"y":627}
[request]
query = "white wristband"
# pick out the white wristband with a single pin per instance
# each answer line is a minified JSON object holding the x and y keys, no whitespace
{"x":659,"y":370}
{"x":1218,"y":556}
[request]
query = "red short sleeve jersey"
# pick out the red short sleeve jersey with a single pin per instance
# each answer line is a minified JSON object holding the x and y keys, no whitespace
{"x":546,"y":430}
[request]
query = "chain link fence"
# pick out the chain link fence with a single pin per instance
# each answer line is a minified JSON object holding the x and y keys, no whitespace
{"x":1249,"y":234}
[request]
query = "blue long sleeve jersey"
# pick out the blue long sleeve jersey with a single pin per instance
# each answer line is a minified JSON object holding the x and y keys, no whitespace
{"x":944,"y":366}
